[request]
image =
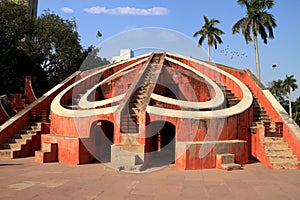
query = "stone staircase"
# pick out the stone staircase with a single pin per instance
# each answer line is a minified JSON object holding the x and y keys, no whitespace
{"x":24,"y":143}
{"x":278,"y":152}
{"x":48,"y":153}
{"x":280,"y":155}
{"x":140,"y":99}
{"x":229,"y":96}
{"x":226,"y":162}
{"x":260,"y":114}
{"x":129,"y":155}
{"x":232,"y":100}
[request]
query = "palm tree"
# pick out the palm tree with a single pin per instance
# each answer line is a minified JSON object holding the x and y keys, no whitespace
{"x":276,"y":88}
{"x":289,"y":85}
{"x":211,"y":32}
{"x":257,"y":22}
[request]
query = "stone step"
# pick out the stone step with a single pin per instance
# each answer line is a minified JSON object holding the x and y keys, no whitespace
{"x":287,"y":158}
{"x":36,"y":124}
{"x":229,"y":93}
{"x":142,"y":95}
{"x":261,"y":115}
{"x":272,"y":145}
{"x":226,"y":162}
{"x":48,"y":153}
{"x":226,"y":158}
{"x":232,"y":98}
{"x":231,"y":166}
{"x":22,"y":136}
{"x":128,"y":124}
{"x":12,"y":146}
{"x":260,"y":112}
{"x":261,"y":119}
{"x":19,"y":141}
{"x":273,"y":139}
{"x":233,"y":101}
{"x":285,"y":165}
{"x":138,"y":100}
{"x":33,"y":128}
{"x":6,"y":153}
{"x":29,"y":132}
{"x":136,"y":110}
{"x":283,"y":153}
{"x":279,"y":151}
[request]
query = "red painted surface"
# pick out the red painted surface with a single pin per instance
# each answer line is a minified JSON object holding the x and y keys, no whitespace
{"x":4,"y":116}
{"x":74,"y":141}
{"x":288,"y":136}
{"x":21,"y":119}
{"x":28,"y":91}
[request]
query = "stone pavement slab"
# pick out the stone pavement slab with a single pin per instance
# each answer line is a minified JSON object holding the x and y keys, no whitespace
{"x":25,"y":179}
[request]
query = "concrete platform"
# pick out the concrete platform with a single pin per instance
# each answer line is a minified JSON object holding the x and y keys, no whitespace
{"x":24,"y":179}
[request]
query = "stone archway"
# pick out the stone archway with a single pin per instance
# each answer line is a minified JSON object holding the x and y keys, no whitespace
{"x":103,"y":132}
{"x":160,"y":144}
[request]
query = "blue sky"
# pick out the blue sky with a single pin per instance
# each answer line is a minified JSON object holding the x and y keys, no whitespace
{"x":181,"y":19}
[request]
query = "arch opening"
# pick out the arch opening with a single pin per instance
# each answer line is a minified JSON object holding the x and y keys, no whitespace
{"x":160,"y":144}
{"x":102,"y":132}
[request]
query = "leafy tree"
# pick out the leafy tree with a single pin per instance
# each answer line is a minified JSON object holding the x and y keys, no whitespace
{"x":296,"y":111}
{"x":92,"y":59}
{"x":15,"y":62}
{"x":276,"y":88}
{"x":211,"y":32}
{"x":58,"y":41}
{"x":289,"y":85}
{"x":47,"y":47}
{"x":256,"y":22}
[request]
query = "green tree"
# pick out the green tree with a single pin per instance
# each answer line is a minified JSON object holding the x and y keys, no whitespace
{"x":58,"y":40}
{"x":256,"y":22}
{"x":289,"y":85}
{"x":211,"y":32}
{"x":15,"y":62}
{"x":47,"y":47}
{"x":276,"y":88}
{"x":296,"y":110}
{"x":92,"y":59}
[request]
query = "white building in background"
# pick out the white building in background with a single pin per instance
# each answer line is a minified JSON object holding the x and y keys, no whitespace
{"x":124,"y":55}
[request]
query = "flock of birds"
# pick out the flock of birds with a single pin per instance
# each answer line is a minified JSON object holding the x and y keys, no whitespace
{"x":232,"y":53}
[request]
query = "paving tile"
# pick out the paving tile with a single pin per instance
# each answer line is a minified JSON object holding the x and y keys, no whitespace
{"x":25,"y":179}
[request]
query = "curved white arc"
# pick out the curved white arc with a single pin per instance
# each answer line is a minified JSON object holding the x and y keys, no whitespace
{"x":183,"y":104}
{"x":243,"y":105}
{"x":84,"y":103}
{"x":88,"y":104}
{"x":247,"y":95}
{"x":216,"y":101}
{"x":58,"y":109}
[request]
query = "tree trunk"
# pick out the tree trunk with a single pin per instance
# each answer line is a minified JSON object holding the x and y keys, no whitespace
{"x":208,"y":53}
{"x":257,"y":58}
{"x":290,"y":105}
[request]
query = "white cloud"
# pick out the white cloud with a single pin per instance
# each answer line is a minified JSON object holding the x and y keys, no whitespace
{"x":67,"y":10}
{"x":127,"y":11}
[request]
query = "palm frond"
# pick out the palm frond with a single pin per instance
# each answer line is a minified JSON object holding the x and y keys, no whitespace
{"x":200,"y":42}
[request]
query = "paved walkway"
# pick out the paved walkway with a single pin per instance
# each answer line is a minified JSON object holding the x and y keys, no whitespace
{"x":25,"y":179}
